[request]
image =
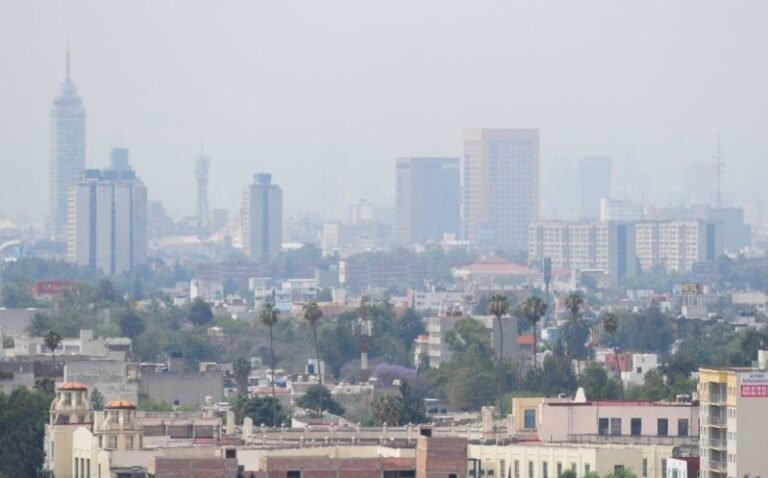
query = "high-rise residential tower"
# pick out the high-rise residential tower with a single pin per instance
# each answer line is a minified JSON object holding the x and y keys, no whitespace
{"x":427,"y":199}
{"x":262,"y":219}
{"x":501,"y":186}
{"x":595,"y":183}
{"x":108,"y":220}
{"x":67,"y":152}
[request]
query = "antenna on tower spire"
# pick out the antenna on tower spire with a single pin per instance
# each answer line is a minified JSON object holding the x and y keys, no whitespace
{"x":719,"y":173}
{"x":68,"y":77}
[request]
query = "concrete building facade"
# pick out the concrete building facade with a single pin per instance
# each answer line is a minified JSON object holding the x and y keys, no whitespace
{"x":427,"y":199}
{"x":262,"y":219}
{"x":108,"y":221}
{"x":501,"y":186}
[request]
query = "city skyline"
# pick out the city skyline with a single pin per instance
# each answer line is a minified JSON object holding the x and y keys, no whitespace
{"x":163,"y":110}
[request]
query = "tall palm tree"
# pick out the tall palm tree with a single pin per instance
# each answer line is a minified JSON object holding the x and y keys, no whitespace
{"x":52,"y":340}
{"x":268,"y":315}
{"x":533,"y":309}
{"x":575,"y":328}
{"x":610,"y":324}
{"x":312,"y":314}
{"x":498,"y":306}
{"x":241,"y":368}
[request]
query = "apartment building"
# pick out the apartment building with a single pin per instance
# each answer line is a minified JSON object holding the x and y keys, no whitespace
{"x":602,"y":246}
{"x":734,"y":411}
{"x":675,"y":246}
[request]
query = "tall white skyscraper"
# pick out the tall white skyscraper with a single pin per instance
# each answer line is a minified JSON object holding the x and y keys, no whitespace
{"x":108,"y":221}
{"x":501,"y":186}
{"x":67,"y":152}
{"x":262,"y":219}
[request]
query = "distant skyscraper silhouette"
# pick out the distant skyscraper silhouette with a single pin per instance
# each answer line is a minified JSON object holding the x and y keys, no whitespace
{"x":262,"y":219}
{"x":501,"y":187}
{"x":67,"y":152}
{"x":202,"y":168}
{"x":427,"y":199}
{"x":595,"y":182}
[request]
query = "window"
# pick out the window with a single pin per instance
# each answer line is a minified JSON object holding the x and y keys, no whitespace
{"x":602,"y":426}
{"x":517,"y":468}
{"x":77,"y":467}
{"x":295,"y":474}
{"x":529,"y":419}
{"x":663,"y":467}
{"x":645,"y":467}
{"x":615,"y":426}
{"x":88,"y":468}
{"x":617,"y":469}
{"x":544,"y":469}
{"x":636,"y":426}
{"x":587,"y":468}
{"x":530,"y":469}
{"x":682,"y":427}
{"x":112,"y":443}
{"x":503,"y":469}
{"x":129,"y":442}
{"x":663,"y":429}
{"x":559,"y":469}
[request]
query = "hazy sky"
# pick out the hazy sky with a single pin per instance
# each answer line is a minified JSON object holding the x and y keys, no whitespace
{"x":325,"y":94}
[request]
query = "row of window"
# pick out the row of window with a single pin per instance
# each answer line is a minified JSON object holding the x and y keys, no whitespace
{"x":531,"y":468}
{"x":612,"y":426}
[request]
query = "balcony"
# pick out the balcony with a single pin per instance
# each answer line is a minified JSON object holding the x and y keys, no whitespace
{"x":717,"y":443}
{"x":718,"y":465}
{"x":718,"y":398}
{"x":716,"y":421}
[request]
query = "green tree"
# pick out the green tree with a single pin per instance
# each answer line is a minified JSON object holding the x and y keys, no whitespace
{"x":52,"y":341}
{"x":621,"y":473}
{"x":653,"y":388}
{"x":414,"y":411}
{"x":498,"y":307}
{"x":533,"y":309}
{"x":131,"y":324}
{"x":386,"y":409}
{"x":97,"y":400}
{"x":17,"y":295}
{"x":241,"y":369}
{"x":200,"y":313}
{"x":39,"y":324}
{"x":269,"y":315}
{"x":312,"y":314}
{"x":318,"y":399}
{"x":555,"y":376}
{"x":568,"y":474}
{"x":597,"y":385}
{"x":575,"y":329}
{"x":23,"y":415}
{"x":409,"y":326}
{"x":263,"y":410}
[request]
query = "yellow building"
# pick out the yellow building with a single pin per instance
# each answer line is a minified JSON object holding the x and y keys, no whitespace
{"x":70,"y":410}
{"x":734,"y":413}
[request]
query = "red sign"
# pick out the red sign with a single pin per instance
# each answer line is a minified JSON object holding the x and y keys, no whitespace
{"x":754,"y":391}
{"x":51,"y":287}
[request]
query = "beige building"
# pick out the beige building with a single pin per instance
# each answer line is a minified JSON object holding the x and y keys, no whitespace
{"x":70,"y":411}
{"x":675,"y":246}
{"x":501,"y":186}
{"x":550,"y":460}
{"x":734,"y":412}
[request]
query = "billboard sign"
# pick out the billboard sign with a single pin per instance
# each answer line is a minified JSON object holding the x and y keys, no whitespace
{"x":754,"y":385}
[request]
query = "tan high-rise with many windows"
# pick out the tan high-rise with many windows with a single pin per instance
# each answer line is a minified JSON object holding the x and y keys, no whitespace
{"x":501,"y":187}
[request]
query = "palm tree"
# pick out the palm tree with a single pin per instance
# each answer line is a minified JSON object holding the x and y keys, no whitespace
{"x":313,"y":313}
{"x":498,"y":307}
{"x":241,"y":368}
{"x":575,"y":328}
{"x":52,"y":340}
{"x":533,"y":309}
{"x":268,"y":315}
{"x":610,"y":323}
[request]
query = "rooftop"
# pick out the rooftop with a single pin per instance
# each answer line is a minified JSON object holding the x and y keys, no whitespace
{"x":72,"y":386}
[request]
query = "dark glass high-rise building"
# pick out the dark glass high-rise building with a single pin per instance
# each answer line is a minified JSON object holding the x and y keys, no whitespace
{"x":427,"y":199}
{"x":67,"y":152}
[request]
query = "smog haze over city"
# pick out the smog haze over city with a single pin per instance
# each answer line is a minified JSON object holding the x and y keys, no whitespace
{"x":394,"y":239}
{"x":326,"y":94}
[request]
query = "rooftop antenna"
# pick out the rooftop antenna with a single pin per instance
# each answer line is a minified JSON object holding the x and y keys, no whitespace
{"x":719,"y":173}
{"x":67,"y":67}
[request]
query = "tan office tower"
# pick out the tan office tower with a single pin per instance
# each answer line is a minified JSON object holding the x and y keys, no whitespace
{"x":501,"y":187}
